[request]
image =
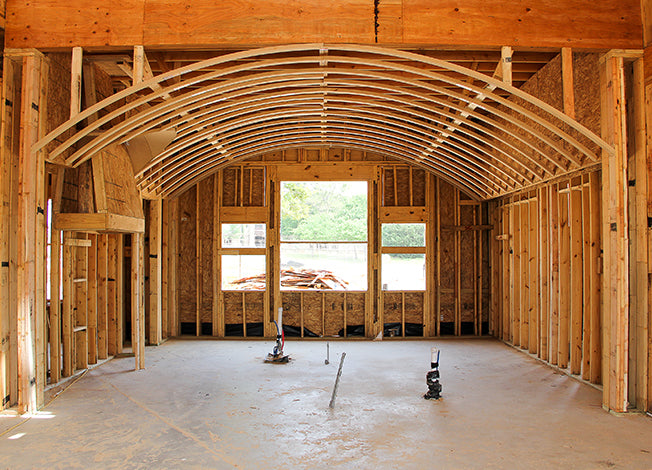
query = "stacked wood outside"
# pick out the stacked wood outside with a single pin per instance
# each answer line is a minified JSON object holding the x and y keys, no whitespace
{"x":295,"y":279}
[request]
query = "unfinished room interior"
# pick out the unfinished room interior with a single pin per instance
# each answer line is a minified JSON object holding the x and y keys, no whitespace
{"x":232,"y":233}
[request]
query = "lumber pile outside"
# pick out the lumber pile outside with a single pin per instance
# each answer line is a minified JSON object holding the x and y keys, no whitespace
{"x":295,"y":279}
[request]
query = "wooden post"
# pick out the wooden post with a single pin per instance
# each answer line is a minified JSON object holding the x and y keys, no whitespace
{"x":31,"y":236}
{"x":102,"y":295}
{"x":568,"y":89}
{"x":137,"y":301}
{"x":164,"y":262}
{"x":217,"y":313}
{"x":173,"y":222}
{"x":119,"y":293}
{"x":8,"y":190}
{"x":615,"y":235}
{"x":576,"y":274}
{"x":515,"y":286}
{"x":533,"y":277}
{"x":112,"y":299}
{"x":155,"y":288}
{"x":564,"y":279}
{"x":92,"y":322}
{"x":544,"y":274}
{"x":524,"y":320}
{"x":553,"y":238}
{"x":642,"y":331}
{"x":587,"y":327}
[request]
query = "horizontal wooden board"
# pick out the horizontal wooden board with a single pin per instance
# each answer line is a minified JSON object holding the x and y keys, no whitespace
{"x":99,"y":223}
{"x":537,"y":23}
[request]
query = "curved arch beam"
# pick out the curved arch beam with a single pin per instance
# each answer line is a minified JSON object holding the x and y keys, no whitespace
{"x":471,"y":134}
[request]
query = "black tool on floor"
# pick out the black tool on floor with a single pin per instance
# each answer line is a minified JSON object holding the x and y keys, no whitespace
{"x":277,"y":356}
{"x":432,"y":377}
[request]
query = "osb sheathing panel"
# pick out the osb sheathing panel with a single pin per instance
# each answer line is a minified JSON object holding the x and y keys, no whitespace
{"x":312,"y":312}
{"x":355,"y":305}
{"x":58,"y":107}
{"x":447,"y":211}
{"x":393,"y":307}
{"x":233,"y":307}
{"x":388,"y":187}
{"x":230,"y":176}
{"x":186,"y":264}
{"x":468,"y":259}
{"x":257,"y":193}
{"x":291,"y":308}
{"x":85,"y":192}
{"x":254,"y":304}
{"x":418,"y":187}
{"x":70,"y":191}
{"x":447,"y":307}
{"x":468,"y":302}
{"x":403,"y":186}
{"x":414,"y":307}
{"x":205,"y":232}
{"x":546,"y":85}
{"x":333,"y":313}
{"x":121,"y":194}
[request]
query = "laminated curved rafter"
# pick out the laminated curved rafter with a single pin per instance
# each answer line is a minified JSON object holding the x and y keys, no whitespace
{"x":477,"y":132}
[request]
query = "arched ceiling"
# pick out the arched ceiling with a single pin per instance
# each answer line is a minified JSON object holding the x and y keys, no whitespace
{"x":486,"y":137}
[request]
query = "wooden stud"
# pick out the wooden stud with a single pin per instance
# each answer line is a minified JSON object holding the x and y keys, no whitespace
{"x":155,"y":335}
{"x":587,"y":327}
{"x":507,"y":272}
{"x":55,"y":307}
{"x":642,"y":330}
{"x":112,"y":299}
{"x":458,"y":267}
{"x":576,"y":298}
{"x":615,"y":238}
{"x":119,"y":292}
{"x":564,"y":282}
{"x":544,"y":274}
{"x":533,"y":277}
{"x":102,"y":295}
{"x":524,"y":320}
{"x":91,"y":302}
{"x":217,"y":312}
{"x":515,"y":280}
{"x":164,"y":262}
{"x":199,"y":274}
{"x":553,"y":238}
{"x":31,"y":234}
{"x":568,"y":89}
{"x":173,"y":294}
{"x":76,"y":81}
{"x":137,"y":301}
{"x":438,"y":255}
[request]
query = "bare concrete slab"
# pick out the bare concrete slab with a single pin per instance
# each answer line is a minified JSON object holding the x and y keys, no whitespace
{"x":215,"y":404}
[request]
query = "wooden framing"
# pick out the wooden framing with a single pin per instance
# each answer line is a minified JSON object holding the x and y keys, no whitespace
{"x":200,"y":125}
{"x":614,"y":237}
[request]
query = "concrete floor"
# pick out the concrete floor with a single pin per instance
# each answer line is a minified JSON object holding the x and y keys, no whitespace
{"x":214,"y":404}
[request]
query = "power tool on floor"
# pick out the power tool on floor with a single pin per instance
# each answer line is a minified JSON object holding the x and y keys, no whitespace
{"x":432,"y":377}
{"x":277,"y":356}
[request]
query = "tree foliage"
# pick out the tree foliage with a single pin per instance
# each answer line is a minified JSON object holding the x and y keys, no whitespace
{"x":323,"y":211}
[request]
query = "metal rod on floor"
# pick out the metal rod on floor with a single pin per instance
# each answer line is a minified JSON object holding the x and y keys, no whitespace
{"x":337,"y":382}
{"x":328,"y":356}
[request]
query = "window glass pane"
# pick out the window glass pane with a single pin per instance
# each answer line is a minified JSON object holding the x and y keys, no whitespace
{"x":404,"y":234}
{"x":324,"y":211}
{"x":339,"y":266}
{"x":243,"y":272}
{"x":243,"y":235}
{"x":404,"y":271}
